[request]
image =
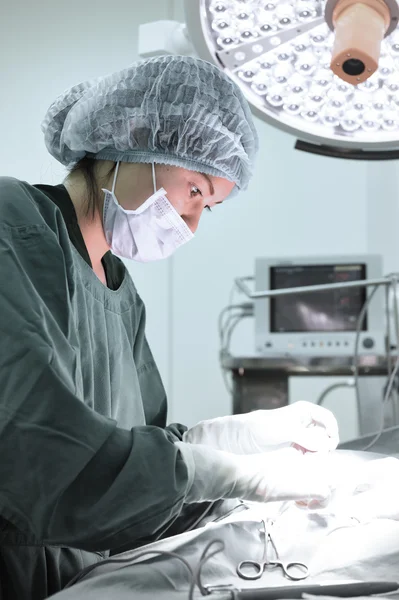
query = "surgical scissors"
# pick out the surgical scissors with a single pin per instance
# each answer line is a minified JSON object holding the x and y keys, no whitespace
{"x":252,"y":569}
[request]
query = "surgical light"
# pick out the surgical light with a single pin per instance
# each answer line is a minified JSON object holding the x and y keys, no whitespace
{"x":291,"y":59}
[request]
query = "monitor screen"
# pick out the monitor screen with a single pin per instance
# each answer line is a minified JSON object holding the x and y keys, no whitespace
{"x":329,"y":311}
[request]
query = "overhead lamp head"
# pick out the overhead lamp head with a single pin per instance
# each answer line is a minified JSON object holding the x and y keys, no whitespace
{"x":280,"y":52}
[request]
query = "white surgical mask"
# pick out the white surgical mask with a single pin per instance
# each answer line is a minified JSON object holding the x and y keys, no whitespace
{"x":151,"y":232}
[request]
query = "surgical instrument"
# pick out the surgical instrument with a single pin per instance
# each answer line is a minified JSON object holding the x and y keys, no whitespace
{"x":252,"y":569}
{"x":342,"y":589}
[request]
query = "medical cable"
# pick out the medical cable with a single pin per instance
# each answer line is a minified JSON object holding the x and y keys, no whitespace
{"x":195,"y":576}
{"x":388,"y":289}
{"x":236,"y":289}
{"x":231,"y":322}
{"x":229,"y":308}
{"x":394,"y":279}
{"x":228,"y":384}
{"x":242,"y":506}
{"x":393,"y":374}
{"x":332,"y":387}
{"x":385,"y":400}
{"x":233,"y":325}
{"x":229,"y":328}
{"x":359,"y":325}
{"x":205,"y":557}
{"x":224,"y":325}
{"x":107,"y":561}
{"x":388,"y":326}
{"x":233,"y":291}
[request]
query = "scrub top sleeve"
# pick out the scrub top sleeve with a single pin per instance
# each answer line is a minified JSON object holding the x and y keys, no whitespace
{"x":69,"y":476}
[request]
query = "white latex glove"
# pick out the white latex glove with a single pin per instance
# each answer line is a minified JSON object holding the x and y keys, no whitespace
{"x":285,"y":474}
{"x":306,"y":424}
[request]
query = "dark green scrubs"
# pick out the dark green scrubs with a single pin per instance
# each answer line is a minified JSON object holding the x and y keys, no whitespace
{"x":87,"y":464}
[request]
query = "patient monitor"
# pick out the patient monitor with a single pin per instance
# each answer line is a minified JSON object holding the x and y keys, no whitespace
{"x":318,"y":323}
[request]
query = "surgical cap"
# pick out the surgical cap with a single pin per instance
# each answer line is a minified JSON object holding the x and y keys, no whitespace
{"x":174,"y":110}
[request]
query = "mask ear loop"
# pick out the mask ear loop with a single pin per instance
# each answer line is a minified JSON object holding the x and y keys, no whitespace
{"x":115,"y":176}
{"x":154,"y":181}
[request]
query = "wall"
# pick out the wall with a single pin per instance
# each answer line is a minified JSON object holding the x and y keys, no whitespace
{"x":296,"y":204}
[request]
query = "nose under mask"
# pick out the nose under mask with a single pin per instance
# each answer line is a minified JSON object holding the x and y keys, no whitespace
{"x":151,"y":232}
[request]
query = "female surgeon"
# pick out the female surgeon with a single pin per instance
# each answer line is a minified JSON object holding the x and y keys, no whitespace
{"x":88,"y":464}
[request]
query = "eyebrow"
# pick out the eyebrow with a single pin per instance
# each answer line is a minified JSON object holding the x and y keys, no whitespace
{"x":211,"y":188}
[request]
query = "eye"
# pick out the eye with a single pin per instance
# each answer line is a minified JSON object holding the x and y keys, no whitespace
{"x":195,"y":191}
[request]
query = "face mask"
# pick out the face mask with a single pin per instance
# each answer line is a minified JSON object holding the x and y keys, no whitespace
{"x":151,"y":232}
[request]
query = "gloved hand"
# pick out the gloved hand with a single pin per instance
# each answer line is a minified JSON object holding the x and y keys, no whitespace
{"x":285,"y":474}
{"x":306,"y":424}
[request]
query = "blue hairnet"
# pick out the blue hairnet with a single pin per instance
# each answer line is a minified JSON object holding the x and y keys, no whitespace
{"x":174,"y":110}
